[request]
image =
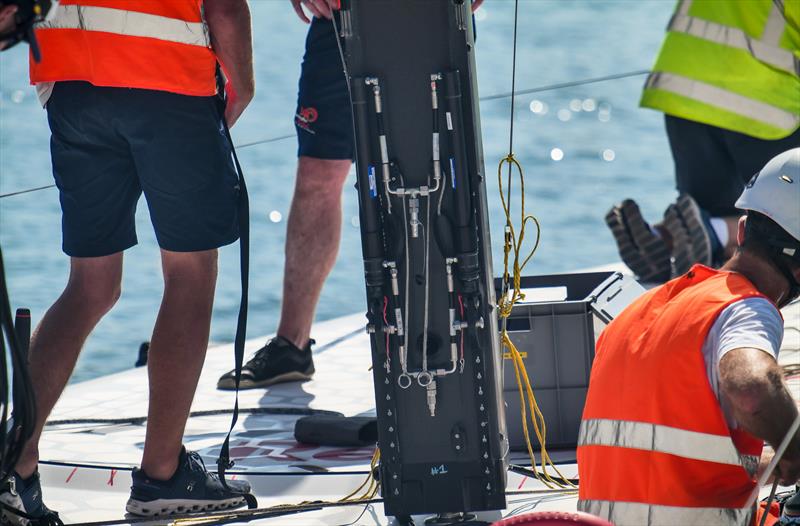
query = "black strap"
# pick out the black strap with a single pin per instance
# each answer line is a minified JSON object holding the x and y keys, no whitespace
{"x":224,"y":461}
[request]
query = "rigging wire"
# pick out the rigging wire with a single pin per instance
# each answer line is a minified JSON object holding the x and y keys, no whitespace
{"x":496,"y":96}
{"x":569,"y":84}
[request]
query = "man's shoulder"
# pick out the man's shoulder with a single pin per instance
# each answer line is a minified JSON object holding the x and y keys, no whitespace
{"x":752,"y":322}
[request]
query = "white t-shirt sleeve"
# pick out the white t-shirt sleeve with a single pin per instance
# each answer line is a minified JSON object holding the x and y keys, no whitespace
{"x":752,"y":323}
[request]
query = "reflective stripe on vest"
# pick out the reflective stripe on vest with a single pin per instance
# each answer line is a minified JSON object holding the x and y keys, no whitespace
{"x":724,"y":99}
{"x":638,"y":514}
{"x":662,"y":439}
{"x":128,"y":23}
{"x":746,"y":51}
{"x":736,"y":38}
{"x":776,"y":24}
{"x":660,"y":460}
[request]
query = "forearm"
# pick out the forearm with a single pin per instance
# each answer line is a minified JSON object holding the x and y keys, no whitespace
{"x":231,"y":37}
{"x":763,"y":406}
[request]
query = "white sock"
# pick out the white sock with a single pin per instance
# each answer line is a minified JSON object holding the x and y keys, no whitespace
{"x":655,"y":231}
{"x":721,"y":229}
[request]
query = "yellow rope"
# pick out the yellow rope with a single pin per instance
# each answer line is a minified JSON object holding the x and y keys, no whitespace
{"x":372,"y":485}
{"x":509,"y":297}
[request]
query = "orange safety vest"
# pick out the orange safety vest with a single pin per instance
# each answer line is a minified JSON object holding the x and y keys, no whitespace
{"x":654,"y":447}
{"x":159,"y":45}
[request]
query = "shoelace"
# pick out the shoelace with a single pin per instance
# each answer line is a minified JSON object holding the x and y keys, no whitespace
{"x":195,"y":462}
{"x":262,"y":355}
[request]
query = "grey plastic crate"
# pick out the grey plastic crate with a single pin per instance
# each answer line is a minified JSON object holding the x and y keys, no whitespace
{"x":556,"y":340}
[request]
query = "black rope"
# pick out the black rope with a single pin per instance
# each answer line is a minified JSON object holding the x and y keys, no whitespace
{"x":527,"y":472}
{"x":140,"y":420}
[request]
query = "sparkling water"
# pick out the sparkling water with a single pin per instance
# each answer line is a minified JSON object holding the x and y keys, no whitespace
{"x":582,"y":148}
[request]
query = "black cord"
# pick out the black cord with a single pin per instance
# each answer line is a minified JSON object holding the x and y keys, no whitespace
{"x":522,"y":470}
{"x":140,"y":420}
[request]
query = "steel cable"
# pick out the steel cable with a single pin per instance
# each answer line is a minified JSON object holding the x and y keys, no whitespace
{"x":497,"y":96}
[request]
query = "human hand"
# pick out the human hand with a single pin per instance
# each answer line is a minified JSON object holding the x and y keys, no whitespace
{"x":236,"y":104}
{"x":476,"y":4}
{"x":318,"y":8}
{"x":7,"y":21}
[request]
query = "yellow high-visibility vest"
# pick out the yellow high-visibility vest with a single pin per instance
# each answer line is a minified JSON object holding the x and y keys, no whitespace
{"x":733,"y":64}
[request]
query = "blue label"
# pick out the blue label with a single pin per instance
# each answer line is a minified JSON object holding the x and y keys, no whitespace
{"x":439,"y":470}
{"x":453,"y":172}
{"x":373,"y":188}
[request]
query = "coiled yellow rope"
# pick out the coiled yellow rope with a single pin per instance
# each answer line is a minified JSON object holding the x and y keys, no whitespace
{"x":510,"y":296}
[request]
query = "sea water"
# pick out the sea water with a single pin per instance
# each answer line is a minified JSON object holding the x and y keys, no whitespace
{"x":582,"y":148}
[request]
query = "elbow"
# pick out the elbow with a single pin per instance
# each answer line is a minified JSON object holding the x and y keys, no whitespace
{"x":750,"y":389}
{"x":749,"y":398}
{"x":231,"y":10}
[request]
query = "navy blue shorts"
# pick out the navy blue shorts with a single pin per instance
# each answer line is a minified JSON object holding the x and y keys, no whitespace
{"x":111,"y":144}
{"x":713,"y":164}
{"x":323,"y":120}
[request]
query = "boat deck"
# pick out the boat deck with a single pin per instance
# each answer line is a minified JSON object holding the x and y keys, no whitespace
{"x":96,"y":435}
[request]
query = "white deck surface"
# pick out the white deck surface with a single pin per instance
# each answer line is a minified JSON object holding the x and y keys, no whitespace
{"x":86,"y":466}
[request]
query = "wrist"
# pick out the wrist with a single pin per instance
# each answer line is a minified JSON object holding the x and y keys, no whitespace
{"x":240,"y":92}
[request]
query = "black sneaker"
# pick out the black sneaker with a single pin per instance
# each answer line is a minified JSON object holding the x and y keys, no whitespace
{"x":641,"y":249}
{"x":692,"y":236}
{"x":278,"y":361}
{"x":21,"y":502}
{"x":191,"y":489}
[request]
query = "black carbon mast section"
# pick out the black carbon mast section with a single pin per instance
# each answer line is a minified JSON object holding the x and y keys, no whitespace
{"x":427,"y":256}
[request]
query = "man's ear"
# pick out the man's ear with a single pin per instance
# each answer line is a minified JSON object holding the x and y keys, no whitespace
{"x":740,"y":230}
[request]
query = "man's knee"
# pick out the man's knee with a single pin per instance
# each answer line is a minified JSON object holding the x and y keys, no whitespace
{"x":198,"y":267}
{"x":322,"y":176}
{"x":96,"y":283}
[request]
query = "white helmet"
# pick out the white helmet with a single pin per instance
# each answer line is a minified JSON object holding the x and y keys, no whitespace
{"x":775,"y":192}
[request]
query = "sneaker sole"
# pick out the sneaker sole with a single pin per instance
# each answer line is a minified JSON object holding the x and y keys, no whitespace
{"x":162,"y":507}
{"x":229,"y":385}
{"x":690,"y":240}
{"x":639,"y":248}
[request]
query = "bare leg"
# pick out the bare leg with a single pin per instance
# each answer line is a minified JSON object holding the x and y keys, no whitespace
{"x":732,"y":222}
{"x":177,"y":350}
{"x":92,"y":289}
{"x":312,"y":242}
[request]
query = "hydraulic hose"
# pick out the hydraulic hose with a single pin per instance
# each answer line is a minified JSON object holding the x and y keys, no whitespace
{"x":368,"y":202}
{"x":468,"y":268}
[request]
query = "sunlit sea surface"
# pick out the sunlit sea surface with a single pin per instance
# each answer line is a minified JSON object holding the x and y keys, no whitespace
{"x":583,"y":148}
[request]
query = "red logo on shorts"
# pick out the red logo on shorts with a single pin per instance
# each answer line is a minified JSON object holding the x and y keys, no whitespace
{"x":308,"y":115}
